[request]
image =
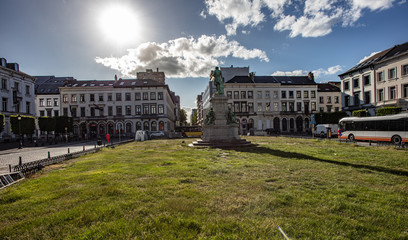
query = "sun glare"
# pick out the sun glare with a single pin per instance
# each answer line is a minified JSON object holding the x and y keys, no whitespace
{"x":119,"y":24}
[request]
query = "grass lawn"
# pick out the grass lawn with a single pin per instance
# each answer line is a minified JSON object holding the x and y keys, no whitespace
{"x":163,"y":189}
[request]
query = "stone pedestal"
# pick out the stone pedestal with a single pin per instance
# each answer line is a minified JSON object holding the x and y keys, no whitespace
{"x":221,"y":134}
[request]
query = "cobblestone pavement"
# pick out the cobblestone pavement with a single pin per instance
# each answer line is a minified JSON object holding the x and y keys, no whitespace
{"x":30,"y":154}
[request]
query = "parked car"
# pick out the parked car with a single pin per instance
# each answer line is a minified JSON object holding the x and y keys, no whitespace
{"x":142,"y":135}
{"x":156,"y":134}
{"x":321,"y":130}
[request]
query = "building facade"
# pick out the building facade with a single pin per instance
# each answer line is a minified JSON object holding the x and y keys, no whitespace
{"x":119,"y":107}
{"x":16,"y":93}
{"x":379,"y":81}
{"x":329,"y":97}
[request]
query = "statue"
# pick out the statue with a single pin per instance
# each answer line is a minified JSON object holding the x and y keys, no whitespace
{"x":210,"y":117}
{"x":216,"y":76}
{"x":230,"y":116}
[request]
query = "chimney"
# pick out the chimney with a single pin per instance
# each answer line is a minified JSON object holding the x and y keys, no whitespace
{"x":3,"y":62}
{"x":157,"y":69}
{"x":310,"y":76}
{"x":116,"y":78}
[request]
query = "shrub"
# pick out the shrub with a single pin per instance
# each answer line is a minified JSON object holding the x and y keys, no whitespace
{"x":388,"y":111}
{"x":361,"y":113}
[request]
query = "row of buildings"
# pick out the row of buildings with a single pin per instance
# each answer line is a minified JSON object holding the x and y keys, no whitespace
{"x":97,"y":107}
{"x":288,"y":103}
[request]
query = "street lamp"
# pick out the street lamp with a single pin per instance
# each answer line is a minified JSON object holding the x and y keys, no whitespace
{"x":66,"y":134}
{"x":20,"y":146}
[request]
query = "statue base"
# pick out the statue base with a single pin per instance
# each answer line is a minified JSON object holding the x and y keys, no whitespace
{"x":220,"y":134}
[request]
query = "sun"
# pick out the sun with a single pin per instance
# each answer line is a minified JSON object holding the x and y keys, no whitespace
{"x":119,"y":24}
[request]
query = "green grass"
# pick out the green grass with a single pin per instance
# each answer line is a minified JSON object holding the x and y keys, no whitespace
{"x":163,"y":189}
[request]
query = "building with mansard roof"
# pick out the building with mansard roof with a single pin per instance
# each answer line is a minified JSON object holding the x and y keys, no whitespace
{"x":120,"y":106}
{"x":379,"y":81}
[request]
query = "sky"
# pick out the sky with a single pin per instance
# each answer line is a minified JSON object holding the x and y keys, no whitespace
{"x":186,"y":39}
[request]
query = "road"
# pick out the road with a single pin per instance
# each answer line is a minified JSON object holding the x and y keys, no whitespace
{"x":30,"y":154}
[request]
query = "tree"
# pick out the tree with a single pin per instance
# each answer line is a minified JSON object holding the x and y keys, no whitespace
{"x":62,"y":122}
{"x":183,"y":117}
{"x":194,"y":118}
{"x":329,"y":117}
{"x":26,"y":124}
{"x":46,"y":124}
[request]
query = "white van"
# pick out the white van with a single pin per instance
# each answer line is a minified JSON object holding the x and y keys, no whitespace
{"x":141,"y":135}
{"x":321,"y":130}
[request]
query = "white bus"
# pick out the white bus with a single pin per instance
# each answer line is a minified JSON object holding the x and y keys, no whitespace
{"x":391,"y":128}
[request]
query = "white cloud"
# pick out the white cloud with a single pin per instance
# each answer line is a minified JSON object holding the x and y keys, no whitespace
{"x":181,"y":57}
{"x":367,"y":57}
{"x":317,"y":73}
{"x":309,"y":18}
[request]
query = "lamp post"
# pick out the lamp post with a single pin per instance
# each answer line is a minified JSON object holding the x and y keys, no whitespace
{"x":66,"y":134}
{"x":20,"y":146}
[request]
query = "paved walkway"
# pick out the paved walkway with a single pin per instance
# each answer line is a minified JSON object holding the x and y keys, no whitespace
{"x":29,"y":154}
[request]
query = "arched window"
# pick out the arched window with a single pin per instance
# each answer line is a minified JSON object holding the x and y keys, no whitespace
{"x":291,"y":124}
{"x":307,"y":123}
{"x":284,"y":125}
{"x":146,"y":126}
{"x":161,"y":126}
{"x":153,"y":126}
{"x":128,"y":127}
{"x":110,"y":128}
{"x":276,"y":124}
{"x":299,"y":124}
{"x":138,"y":126}
{"x":251,"y":123}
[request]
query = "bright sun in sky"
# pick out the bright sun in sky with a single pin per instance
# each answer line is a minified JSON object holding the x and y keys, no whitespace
{"x":119,"y":24}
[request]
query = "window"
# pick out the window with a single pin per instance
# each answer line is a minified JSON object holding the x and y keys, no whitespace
{"x":64,"y":111}
{"x":380,"y":76}
{"x":28,"y":105}
{"x":110,"y":111}
{"x":145,"y":96}
{"x":42,"y":113}
{"x":347,"y":101}
{"x":41,"y":102}
{"x":329,"y":100}
{"x":236,"y":107}
{"x":56,"y":102}
{"x":405,"y":90}
{"x":236,"y":95}
{"x":138,"y":109}
{"x":275,"y":94}
{"x":137,"y":96}
{"x":101,"y":111}
{"x":329,"y":108}
{"x":153,"y":109}
{"x":321,"y":99}
{"x":161,"y":109}
{"x":250,"y":95}
{"x":82,"y":97}
{"x":82,"y":112}
{"x":243,"y":94}
{"x":336,"y":99}
{"x":367,"y":97}
{"x":268,"y":107}
{"x":100,"y":97}
{"x":346,"y":85}
{"x":259,"y":109}
{"x":321,"y":109}
{"x":118,"y":96}
{"x":393,"y":93}
{"x":128,"y":110}
{"x":391,"y":73}
{"x":290,"y":94}
{"x":267,"y":94}
{"x":276,"y":106}
{"x":92,"y":112}
{"x":291,"y":106}
{"x":49,"y":104}
{"x":145,"y":109}
{"x":65,"y":98}
{"x":243,"y":107}
{"x":73,"y":112}
{"x":16,"y":86}
{"x":336,"y":109}
{"x":380,"y":94}
{"x":27,"y":89}
{"x":356,"y":83}
{"x":4,"y":83}
{"x":92,"y":97}
{"x":404,"y":70}
{"x":160,"y":95}
{"x":259,"y":94}
{"x":250,"y":107}
{"x":306,"y":94}
{"x":56,"y":113}
{"x":283,"y":94}
{"x":367,"y":80}
{"x":118,"y":110}
{"x":229,"y":94}
{"x":298,"y":94}
{"x":356,"y":98}
{"x":73,"y":98}
{"x":284,"y":107}
{"x":127,"y":96}
{"x":313,"y":94}
{"x":299,"y":106}
{"x":313,"y":106}
{"x":109,"y":97}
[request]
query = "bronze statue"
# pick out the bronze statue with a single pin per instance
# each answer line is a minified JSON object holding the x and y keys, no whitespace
{"x":210,"y":117}
{"x":230,"y":116}
{"x":216,"y":77}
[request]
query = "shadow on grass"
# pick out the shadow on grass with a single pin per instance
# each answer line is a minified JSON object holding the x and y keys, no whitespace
{"x":283,"y":154}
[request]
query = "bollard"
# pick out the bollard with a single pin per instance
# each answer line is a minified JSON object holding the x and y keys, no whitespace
{"x":68,"y":150}
{"x":49,"y":155}
{"x":84,"y":148}
{"x":10,"y":167}
{"x":20,"y":161}
{"x":369,"y":142}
